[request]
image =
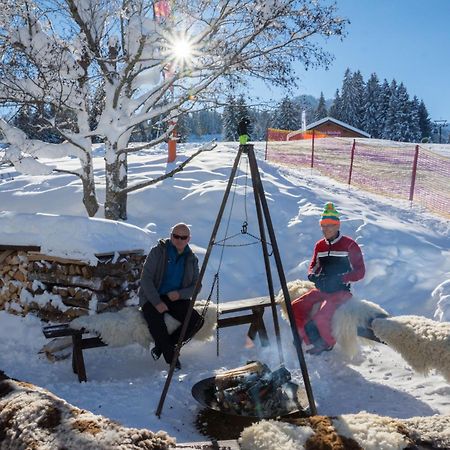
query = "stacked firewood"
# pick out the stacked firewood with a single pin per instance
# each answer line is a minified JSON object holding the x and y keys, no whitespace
{"x":13,"y":275}
{"x":254,"y":390}
{"x":60,"y":289}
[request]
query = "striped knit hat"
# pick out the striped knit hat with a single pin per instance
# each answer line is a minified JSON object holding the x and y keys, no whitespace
{"x":330,"y":216}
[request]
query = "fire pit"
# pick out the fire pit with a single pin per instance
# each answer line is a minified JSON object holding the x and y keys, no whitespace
{"x":251,"y":391}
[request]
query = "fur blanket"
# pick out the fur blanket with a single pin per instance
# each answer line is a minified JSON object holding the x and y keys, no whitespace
{"x":34,"y":418}
{"x":347,"y":318}
{"x":423,"y":343}
{"x":128,"y":326}
{"x":349,"y":431}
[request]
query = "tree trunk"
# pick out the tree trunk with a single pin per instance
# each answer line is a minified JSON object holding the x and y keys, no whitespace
{"x":89,"y":196}
{"x":116,"y":180}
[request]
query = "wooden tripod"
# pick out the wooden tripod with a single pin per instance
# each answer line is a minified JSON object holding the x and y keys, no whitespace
{"x":264,"y":221}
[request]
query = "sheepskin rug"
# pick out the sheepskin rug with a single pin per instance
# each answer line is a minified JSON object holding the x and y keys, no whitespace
{"x":347,"y":319}
{"x":422,"y":342}
{"x":128,"y":325}
{"x":360,"y":431}
{"x":34,"y":418}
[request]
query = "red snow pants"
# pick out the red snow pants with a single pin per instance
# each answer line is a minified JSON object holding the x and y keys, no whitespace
{"x":328,"y":303}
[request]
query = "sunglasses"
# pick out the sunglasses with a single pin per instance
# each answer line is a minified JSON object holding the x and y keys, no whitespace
{"x":177,"y":236}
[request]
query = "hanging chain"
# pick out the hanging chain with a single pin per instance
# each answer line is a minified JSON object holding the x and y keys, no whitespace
{"x":217,"y":316}
{"x":245,"y":191}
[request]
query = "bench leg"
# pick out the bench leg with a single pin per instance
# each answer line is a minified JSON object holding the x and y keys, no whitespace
{"x":258,"y":326}
{"x":77,"y":358}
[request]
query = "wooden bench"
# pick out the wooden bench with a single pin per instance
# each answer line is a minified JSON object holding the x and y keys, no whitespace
{"x":256,"y":308}
{"x":83,"y":339}
{"x":79,"y":342}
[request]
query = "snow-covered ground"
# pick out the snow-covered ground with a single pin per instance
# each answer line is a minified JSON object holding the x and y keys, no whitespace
{"x":407,"y":254}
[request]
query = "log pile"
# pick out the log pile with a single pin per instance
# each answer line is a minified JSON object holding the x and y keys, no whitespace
{"x":60,"y":289}
{"x":13,"y":275}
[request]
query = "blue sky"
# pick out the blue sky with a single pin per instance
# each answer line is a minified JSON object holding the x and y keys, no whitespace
{"x":408,"y":40}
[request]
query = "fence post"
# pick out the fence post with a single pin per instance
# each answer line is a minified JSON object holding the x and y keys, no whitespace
{"x":351,"y":162}
{"x":312,"y":150}
{"x":267,"y":138}
{"x":413,"y":175}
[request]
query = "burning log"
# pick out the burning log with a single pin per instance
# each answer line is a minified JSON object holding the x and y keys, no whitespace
{"x":254,"y":390}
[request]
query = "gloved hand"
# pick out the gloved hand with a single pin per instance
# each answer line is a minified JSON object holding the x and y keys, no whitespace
{"x":332,"y":283}
{"x":313,"y":277}
{"x":316,"y":279}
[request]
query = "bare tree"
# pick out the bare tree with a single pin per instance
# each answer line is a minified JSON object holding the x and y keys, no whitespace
{"x":148,"y":64}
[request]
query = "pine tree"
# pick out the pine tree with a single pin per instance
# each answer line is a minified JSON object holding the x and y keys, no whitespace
{"x":321,"y":110}
{"x":243,"y":112}
{"x":414,"y":134}
{"x":358,"y":87}
{"x":335,"y":108}
{"x":385,"y":98}
{"x":230,"y":120}
{"x":348,"y":108}
{"x":287,"y":115}
{"x":403,"y":122}
{"x":390,"y":130}
{"x":182,"y":128}
{"x":372,"y":107}
{"x":424,"y":123}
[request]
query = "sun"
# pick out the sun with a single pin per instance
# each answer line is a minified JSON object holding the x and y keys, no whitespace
{"x":181,"y":50}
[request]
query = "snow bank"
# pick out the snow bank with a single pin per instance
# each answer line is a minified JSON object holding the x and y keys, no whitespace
{"x":72,"y":236}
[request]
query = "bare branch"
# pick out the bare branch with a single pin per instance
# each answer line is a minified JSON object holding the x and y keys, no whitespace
{"x":206,"y":147}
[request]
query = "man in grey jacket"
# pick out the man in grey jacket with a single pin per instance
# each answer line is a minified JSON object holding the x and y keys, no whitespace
{"x":167,"y":283}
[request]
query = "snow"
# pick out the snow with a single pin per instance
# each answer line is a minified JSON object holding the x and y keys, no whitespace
{"x":407,"y":254}
{"x":71,"y":236}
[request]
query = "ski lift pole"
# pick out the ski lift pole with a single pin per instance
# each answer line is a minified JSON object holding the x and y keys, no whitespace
{"x":297,"y":341}
{"x":198,"y":285}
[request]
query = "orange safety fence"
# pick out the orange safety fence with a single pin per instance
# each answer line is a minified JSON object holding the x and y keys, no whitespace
{"x":393,"y":169}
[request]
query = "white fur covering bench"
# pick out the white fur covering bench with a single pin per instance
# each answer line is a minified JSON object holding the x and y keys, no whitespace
{"x":422,"y":342}
{"x":128,"y":326}
{"x":117,"y":329}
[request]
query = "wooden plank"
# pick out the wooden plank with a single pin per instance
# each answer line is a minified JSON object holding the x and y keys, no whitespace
{"x":24,"y":248}
{"x":238,"y":320}
{"x":92,"y":342}
{"x":63,"y":329}
{"x":37,"y":256}
{"x":137,"y":251}
{"x":242,"y":305}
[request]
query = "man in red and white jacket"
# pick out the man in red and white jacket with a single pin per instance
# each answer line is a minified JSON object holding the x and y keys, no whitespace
{"x":337,"y":261}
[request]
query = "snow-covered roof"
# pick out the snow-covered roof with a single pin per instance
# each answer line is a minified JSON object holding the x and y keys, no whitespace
{"x":337,"y":122}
